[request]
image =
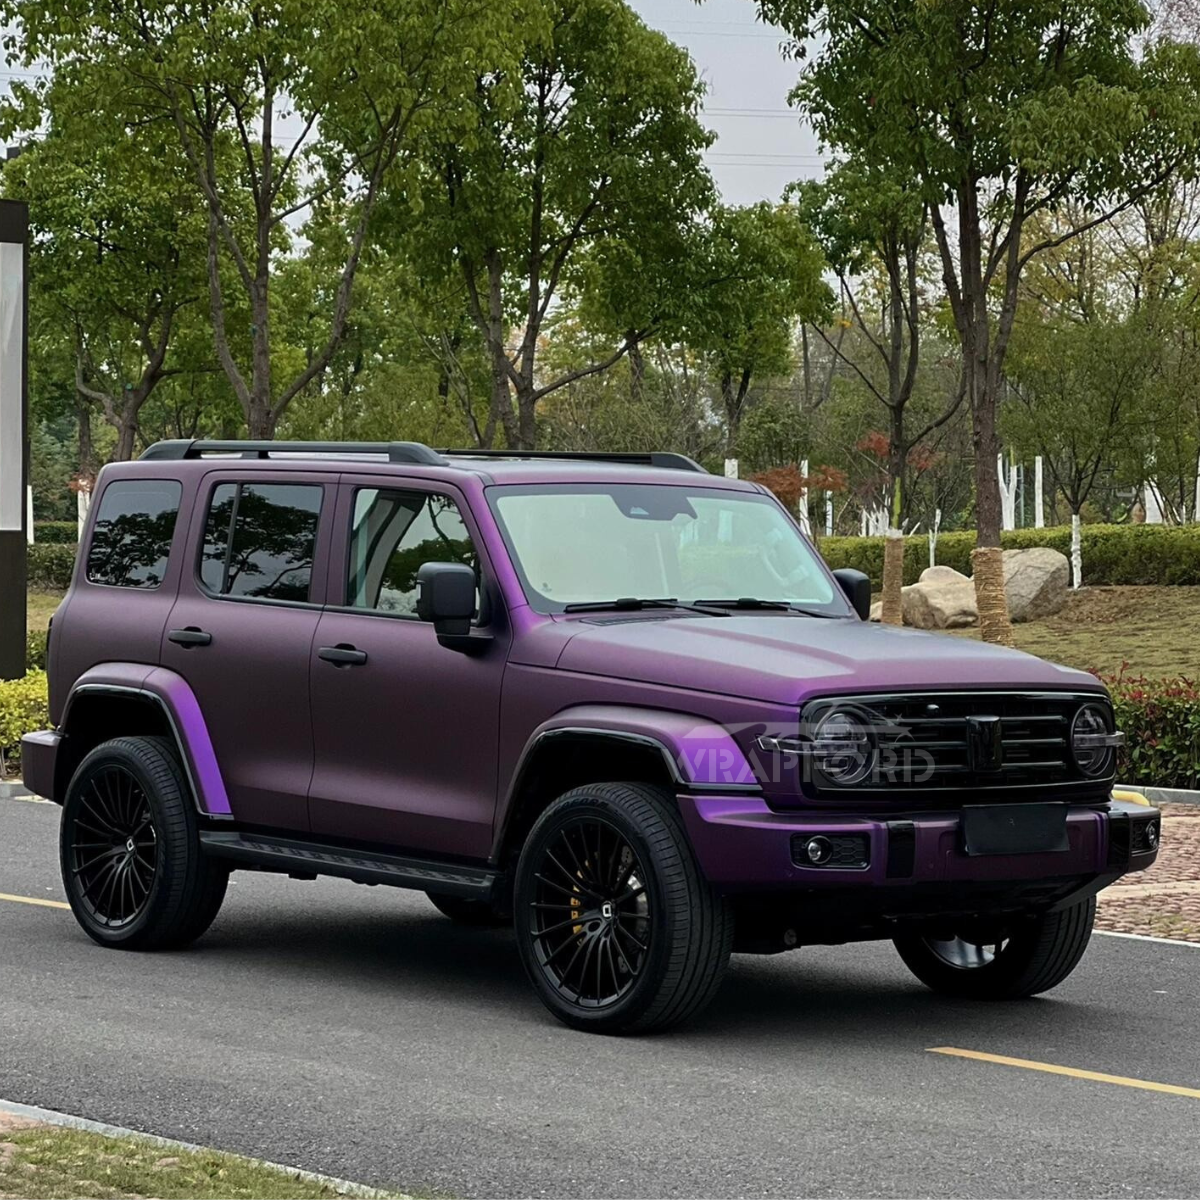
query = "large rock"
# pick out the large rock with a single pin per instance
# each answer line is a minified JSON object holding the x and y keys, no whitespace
{"x":1035,"y":582}
{"x":942,"y":599}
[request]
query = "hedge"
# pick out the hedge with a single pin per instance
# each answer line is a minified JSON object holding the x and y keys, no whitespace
{"x":55,"y":533}
{"x":35,"y":650}
{"x":24,"y":707}
{"x":1112,"y":554}
{"x":50,"y":565}
{"x":1161,"y":722}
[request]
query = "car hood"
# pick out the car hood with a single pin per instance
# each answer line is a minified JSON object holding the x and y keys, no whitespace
{"x":785,"y":659}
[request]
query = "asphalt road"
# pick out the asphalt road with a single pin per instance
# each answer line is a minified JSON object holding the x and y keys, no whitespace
{"x":355,"y":1031}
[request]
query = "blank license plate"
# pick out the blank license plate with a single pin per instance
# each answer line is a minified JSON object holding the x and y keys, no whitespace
{"x":1014,"y":828}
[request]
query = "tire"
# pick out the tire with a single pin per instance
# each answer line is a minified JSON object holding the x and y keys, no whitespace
{"x":155,"y":890}
{"x":1038,"y":954}
{"x":607,"y":881}
{"x":464,"y":911}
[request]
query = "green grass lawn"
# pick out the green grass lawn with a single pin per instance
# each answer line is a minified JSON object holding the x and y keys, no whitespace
{"x":46,"y":1161}
{"x":1155,"y":630}
{"x":1152,"y":631}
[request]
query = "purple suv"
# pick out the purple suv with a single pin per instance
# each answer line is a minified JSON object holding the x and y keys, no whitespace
{"x":613,"y":700}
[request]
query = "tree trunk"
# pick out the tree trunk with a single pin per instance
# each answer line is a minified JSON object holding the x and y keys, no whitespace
{"x":126,"y":439}
{"x":526,"y":417}
{"x":87,"y":448}
{"x":732,"y":415}
{"x":637,"y":368}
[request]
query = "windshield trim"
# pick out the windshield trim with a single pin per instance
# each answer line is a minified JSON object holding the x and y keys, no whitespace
{"x":839,"y":605}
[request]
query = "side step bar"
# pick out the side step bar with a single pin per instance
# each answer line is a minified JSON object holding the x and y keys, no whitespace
{"x":362,"y":866}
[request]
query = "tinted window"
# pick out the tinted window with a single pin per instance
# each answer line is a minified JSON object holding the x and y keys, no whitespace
{"x":132,"y":536}
{"x":259,"y":540}
{"x":393,"y":534}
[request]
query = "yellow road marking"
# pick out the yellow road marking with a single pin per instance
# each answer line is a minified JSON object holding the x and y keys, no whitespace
{"x":1073,"y":1072}
{"x":34,"y":900}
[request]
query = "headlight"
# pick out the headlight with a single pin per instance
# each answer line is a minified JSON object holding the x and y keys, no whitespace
{"x":1093,"y":743}
{"x":842,"y":748}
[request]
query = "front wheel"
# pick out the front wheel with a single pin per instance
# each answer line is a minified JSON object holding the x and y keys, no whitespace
{"x":131,"y":860}
{"x":617,"y":928}
{"x":1030,"y":956}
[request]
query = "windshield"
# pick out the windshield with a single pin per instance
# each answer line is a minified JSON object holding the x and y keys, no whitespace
{"x":585,"y":543}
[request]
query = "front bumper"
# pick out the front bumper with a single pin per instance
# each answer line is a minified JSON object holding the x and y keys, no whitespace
{"x":744,"y":846}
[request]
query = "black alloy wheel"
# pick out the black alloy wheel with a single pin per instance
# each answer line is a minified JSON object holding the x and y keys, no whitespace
{"x":590,"y":915}
{"x":112,"y":847}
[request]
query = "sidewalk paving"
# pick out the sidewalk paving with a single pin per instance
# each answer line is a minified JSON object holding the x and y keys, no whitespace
{"x":1165,"y":900}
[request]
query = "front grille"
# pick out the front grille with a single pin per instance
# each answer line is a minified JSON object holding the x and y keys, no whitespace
{"x":963,"y":742}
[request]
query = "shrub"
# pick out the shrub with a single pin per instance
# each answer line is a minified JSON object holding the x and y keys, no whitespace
{"x":50,"y":566}
{"x":24,"y":707}
{"x":55,"y":533}
{"x":1112,"y":554}
{"x":35,"y":650}
{"x":1161,"y":721}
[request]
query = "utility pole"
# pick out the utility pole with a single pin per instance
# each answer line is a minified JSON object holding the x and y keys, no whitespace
{"x":14,"y":436}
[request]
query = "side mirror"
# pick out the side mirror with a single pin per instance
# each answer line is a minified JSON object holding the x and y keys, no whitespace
{"x":857,"y":587}
{"x":446,"y":597}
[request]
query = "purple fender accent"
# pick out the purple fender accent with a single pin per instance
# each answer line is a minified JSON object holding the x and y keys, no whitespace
{"x":698,"y":752}
{"x":173,"y":695}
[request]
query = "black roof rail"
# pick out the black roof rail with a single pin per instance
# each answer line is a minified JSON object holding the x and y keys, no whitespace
{"x":655,"y":458}
{"x":397,"y":452}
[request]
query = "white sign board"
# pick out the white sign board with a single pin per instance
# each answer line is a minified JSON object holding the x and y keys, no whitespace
{"x":12,"y":337}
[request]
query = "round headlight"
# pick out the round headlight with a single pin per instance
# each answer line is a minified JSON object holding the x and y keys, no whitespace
{"x":843,"y":749}
{"x":1091,"y":745}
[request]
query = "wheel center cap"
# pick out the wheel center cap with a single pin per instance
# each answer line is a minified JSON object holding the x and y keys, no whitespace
{"x":130,"y":846}
{"x":607,"y":910}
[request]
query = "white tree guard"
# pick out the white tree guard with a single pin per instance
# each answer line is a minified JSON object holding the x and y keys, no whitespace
{"x":829,"y":513}
{"x":731,"y":468}
{"x":933,"y":536}
{"x":1152,"y":501}
{"x":83,"y":501}
{"x":29,"y":515}
{"x":1076,"y":553}
{"x":805,"y":520}
{"x":1008,"y":493}
{"x":1039,"y":499}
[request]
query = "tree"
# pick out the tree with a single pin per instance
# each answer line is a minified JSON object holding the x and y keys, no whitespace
{"x":358,"y":82}
{"x":117,"y":256}
{"x":590,"y":153}
{"x":758,"y":274}
{"x":998,"y":111}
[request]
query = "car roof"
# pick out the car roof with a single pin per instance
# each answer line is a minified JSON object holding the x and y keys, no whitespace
{"x":411,"y":460}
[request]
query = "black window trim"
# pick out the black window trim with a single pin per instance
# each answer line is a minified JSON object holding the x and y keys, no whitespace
{"x":204,"y":507}
{"x":85,"y":551}
{"x":487,"y":603}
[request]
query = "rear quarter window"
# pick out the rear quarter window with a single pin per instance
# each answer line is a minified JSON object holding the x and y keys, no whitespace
{"x":131,"y":538}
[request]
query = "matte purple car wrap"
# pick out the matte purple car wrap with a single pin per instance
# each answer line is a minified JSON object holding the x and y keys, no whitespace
{"x":335,"y":713}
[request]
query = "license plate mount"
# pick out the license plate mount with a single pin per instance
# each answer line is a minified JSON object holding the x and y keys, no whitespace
{"x":1014,"y":829}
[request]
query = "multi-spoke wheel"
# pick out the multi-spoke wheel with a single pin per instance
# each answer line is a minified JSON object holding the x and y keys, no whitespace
{"x":112,"y":849}
{"x":1031,"y":955}
{"x":131,"y":857}
{"x":618,"y":930}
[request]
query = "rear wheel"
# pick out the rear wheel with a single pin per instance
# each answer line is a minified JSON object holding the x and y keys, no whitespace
{"x":1027,"y":958}
{"x":129,"y":850}
{"x":466,"y":911}
{"x":618,"y":930}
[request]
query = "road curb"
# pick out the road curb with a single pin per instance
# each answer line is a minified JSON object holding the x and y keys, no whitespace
{"x":49,"y":1116}
{"x":1157,"y":795}
{"x":14,"y":789}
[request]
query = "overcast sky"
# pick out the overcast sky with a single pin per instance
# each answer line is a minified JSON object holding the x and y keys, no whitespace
{"x":761,"y":146}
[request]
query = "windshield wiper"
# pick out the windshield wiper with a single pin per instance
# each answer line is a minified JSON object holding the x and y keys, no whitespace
{"x":753,"y":603}
{"x":638,"y":604}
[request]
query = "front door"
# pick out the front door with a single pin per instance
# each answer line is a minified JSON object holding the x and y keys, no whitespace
{"x":242,"y":630}
{"x":405,"y":729}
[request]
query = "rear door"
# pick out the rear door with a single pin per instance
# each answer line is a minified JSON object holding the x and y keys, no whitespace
{"x":406,"y":737}
{"x":242,"y":629}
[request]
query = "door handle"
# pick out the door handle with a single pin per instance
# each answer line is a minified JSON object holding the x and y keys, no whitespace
{"x":343,"y":655}
{"x":191,"y":636}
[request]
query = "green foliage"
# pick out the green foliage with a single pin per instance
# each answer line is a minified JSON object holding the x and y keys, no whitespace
{"x":24,"y":707}
{"x":1161,"y":722}
{"x":1112,"y":554}
{"x":35,"y":650}
{"x":56,"y":533}
{"x":50,"y":566}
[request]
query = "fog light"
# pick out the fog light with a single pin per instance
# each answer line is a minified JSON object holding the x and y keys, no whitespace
{"x":1152,"y":835}
{"x":819,"y":850}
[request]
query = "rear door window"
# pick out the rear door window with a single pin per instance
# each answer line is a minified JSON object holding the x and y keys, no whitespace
{"x":131,"y":539}
{"x":259,"y":540}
